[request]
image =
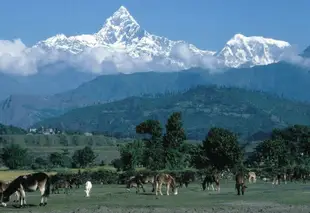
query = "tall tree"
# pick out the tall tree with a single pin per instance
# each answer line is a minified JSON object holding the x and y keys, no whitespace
{"x":132,"y":154}
{"x":84,"y":157}
{"x":173,"y":142}
{"x":273,"y":153}
{"x":222,"y":149}
{"x":153,"y":157}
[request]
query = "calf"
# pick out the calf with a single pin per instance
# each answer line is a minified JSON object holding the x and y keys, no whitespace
{"x":252,"y":177}
{"x":61,"y":184}
{"x":88,"y":187}
{"x":240,"y":183}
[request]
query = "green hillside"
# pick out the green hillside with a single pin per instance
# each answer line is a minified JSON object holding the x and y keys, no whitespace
{"x":244,"y":112}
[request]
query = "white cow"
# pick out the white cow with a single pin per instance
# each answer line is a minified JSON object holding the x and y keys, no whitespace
{"x":88,"y":187}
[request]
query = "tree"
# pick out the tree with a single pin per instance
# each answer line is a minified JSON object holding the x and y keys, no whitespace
{"x":84,"y":157}
{"x":222,"y":149}
{"x":15,"y":157}
{"x":132,"y":154}
{"x":56,"y":159}
{"x":153,"y":157}
{"x":117,"y":164}
{"x":173,"y":142}
{"x":273,"y":153}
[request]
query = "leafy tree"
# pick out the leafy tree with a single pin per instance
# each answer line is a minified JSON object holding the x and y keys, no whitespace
{"x":296,"y":137}
{"x":117,"y":164}
{"x":15,"y":157}
{"x":40,"y":163}
{"x":173,"y":142}
{"x":56,"y":159}
{"x":132,"y":154}
{"x":153,"y":157}
{"x":273,"y":153}
{"x":222,"y":149}
{"x":84,"y":157}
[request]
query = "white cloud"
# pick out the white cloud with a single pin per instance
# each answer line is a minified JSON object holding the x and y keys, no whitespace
{"x":14,"y":58}
{"x":17,"y":58}
{"x":186,"y":55}
{"x":292,"y":56}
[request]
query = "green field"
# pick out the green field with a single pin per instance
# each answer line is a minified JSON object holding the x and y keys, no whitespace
{"x":259,"y":197}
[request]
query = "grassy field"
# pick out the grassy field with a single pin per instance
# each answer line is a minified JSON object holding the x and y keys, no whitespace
{"x":7,"y":175}
{"x":260,"y":197}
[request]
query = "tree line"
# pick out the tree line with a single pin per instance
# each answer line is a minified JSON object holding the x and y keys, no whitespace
{"x":287,"y":148}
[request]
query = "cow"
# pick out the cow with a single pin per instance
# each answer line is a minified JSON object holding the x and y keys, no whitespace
{"x":240,"y":183}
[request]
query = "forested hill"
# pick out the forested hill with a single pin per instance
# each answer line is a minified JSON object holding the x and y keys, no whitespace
{"x":242,"y":111}
{"x":11,"y":130}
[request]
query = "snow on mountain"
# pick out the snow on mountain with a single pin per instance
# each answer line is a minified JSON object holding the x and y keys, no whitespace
{"x":123,"y":46}
{"x":254,"y":50}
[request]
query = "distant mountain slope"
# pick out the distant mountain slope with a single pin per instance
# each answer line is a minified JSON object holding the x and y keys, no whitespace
{"x":24,"y":110}
{"x":51,"y":79}
{"x":280,"y":78}
{"x":244,"y":112}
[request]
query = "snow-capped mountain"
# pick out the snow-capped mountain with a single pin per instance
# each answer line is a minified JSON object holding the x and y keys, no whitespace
{"x":254,"y":50}
{"x":124,"y":44}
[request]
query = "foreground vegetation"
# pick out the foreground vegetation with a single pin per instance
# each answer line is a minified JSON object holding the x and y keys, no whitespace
{"x":241,"y":111}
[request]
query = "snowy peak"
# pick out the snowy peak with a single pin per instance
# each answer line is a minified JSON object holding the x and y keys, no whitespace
{"x":254,"y":50}
{"x":123,"y":44}
{"x":120,"y":28}
{"x":239,"y":38}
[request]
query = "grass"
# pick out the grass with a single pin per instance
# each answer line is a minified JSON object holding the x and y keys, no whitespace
{"x":114,"y":196}
{"x":7,"y":175}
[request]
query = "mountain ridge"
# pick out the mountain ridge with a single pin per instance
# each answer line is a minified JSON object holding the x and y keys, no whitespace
{"x":274,"y":78}
{"x":202,"y":107}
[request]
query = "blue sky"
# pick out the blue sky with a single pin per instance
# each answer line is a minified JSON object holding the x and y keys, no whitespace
{"x":206,"y":23}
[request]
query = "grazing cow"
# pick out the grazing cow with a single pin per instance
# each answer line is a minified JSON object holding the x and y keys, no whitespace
{"x":240,"y":183}
{"x":3,"y":186}
{"x":185,"y":178}
{"x":277,"y":178}
{"x":138,"y":181}
{"x":252,"y":177}
{"x":29,"y":183}
{"x":209,"y":180}
{"x":61,"y":184}
{"x":166,"y":179}
{"x":88,"y":187}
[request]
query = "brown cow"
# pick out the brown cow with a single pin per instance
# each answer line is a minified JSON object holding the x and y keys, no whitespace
{"x":240,"y":183}
{"x":209,"y":180}
{"x":138,"y":181}
{"x":166,"y":179}
{"x":277,"y":178}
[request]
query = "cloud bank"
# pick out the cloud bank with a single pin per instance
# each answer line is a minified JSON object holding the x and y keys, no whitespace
{"x":17,"y":59}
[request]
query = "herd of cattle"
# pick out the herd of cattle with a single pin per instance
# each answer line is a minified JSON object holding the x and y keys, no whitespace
{"x":49,"y":184}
